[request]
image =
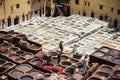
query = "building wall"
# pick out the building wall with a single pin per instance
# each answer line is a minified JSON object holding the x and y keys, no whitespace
{"x":94,"y":5}
{"x":25,"y":6}
{"x":11,"y":10}
{"x":2,"y":10}
{"x":76,"y":8}
{"x":48,"y":4}
{"x":36,"y":4}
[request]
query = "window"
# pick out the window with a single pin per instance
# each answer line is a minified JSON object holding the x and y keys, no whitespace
{"x":17,"y":6}
{"x":85,"y":3}
{"x":38,"y":0}
{"x":112,"y":9}
{"x":76,"y":1}
{"x":0,"y":4}
{"x":28,"y":2}
{"x":88,"y":3}
{"x":11,"y":8}
{"x":101,"y":6}
{"x":118,"y":12}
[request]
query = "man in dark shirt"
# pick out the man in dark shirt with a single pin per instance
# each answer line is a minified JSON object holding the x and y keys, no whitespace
{"x":1,"y":40}
{"x":27,"y":17}
{"x":40,"y":12}
{"x":101,"y":17}
{"x":23,"y":17}
{"x":71,"y":71}
{"x":115,"y":23}
{"x":106,"y":17}
{"x":16,"y":20}
{"x":3,"y":22}
{"x":47,"y":59}
{"x":9,"y":21}
{"x":59,"y":56}
{"x":84,"y":13}
{"x":85,"y":64}
{"x":92,"y":14}
{"x":61,"y":46}
{"x":79,"y":12}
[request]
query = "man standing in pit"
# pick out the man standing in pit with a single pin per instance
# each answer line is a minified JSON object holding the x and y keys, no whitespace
{"x":115,"y":24}
{"x":101,"y":17}
{"x":61,"y":46}
{"x":16,"y":20}
{"x":23,"y":17}
{"x":92,"y":14}
{"x":3,"y":23}
{"x":84,"y":13}
{"x":53,"y":4}
{"x":9,"y":21}
{"x":106,"y":17}
{"x":85,"y":64}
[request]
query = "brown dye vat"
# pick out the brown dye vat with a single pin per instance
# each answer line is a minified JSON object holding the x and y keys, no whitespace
{"x":2,"y":35}
{"x":7,"y":53}
{"x":24,"y":44}
{"x":8,"y":65}
{"x":13,"y":56}
{"x":36,"y":61}
{"x":116,"y":61}
{"x":64,"y":57}
{"x":20,"y":52}
{"x":9,"y":38}
{"x":6,"y":45}
{"x":117,"y":73}
{"x":62,"y":75}
{"x":65,"y":63}
{"x":105,"y":49}
{"x":20,"y":60}
{"x":14,"y":48}
{"x":113,"y":79}
{"x":98,"y":54}
{"x":106,"y":69}
{"x":3,"y":49}
{"x":2,"y":70}
{"x":94,"y":78}
{"x":15,"y":73}
{"x":102,"y":75}
{"x":2,"y":62}
{"x":27,"y":55}
{"x":21,"y":36}
{"x":24,"y":68}
{"x":73,"y":61}
{"x":34,"y":47}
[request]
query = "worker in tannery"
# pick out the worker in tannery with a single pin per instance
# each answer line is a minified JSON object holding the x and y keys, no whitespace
{"x":85,"y":64}
{"x":9,"y":21}
{"x":61,"y":46}
{"x":92,"y":14}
